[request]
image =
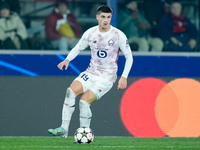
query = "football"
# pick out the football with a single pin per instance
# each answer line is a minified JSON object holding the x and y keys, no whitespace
{"x":84,"y":135}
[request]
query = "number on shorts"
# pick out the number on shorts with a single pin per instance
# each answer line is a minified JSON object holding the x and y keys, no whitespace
{"x":85,"y":77}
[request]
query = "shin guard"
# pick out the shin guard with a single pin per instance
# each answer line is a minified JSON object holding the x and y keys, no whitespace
{"x":85,"y":113}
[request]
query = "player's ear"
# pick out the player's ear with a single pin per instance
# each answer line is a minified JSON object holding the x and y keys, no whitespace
{"x":97,"y":17}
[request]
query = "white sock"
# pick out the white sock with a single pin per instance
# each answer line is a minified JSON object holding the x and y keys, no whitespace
{"x":68,"y":108}
{"x":85,"y":113}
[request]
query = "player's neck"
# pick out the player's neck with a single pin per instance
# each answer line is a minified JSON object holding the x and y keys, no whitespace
{"x":101,"y":29}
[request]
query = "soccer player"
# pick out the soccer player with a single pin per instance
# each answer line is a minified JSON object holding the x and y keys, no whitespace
{"x":105,"y":41}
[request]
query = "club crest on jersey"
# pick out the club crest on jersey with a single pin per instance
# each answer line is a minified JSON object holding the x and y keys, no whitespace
{"x":111,"y":42}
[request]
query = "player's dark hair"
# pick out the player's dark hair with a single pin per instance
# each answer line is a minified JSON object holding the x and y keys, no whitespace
{"x":104,"y":9}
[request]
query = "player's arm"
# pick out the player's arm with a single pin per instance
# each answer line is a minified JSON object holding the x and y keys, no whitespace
{"x":81,"y":45}
{"x":122,"y":84}
{"x":125,"y":48}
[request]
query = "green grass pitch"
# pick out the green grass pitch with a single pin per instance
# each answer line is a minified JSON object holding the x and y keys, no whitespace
{"x":99,"y":143}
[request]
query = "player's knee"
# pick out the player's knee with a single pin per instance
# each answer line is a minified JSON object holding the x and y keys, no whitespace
{"x":83,"y":104}
{"x":70,"y":98}
{"x":70,"y":93}
{"x":85,"y":108}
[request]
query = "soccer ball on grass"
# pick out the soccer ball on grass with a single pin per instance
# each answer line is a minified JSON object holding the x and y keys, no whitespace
{"x":84,"y":135}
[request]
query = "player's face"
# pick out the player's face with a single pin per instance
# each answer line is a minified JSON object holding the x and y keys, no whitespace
{"x":104,"y":20}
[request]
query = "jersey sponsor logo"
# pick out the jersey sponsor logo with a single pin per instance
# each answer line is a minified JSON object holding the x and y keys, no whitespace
{"x":102,"y":54}
{"x":111,"y":42}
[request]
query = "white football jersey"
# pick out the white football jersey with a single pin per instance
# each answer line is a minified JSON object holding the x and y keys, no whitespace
{"x":105,"y":48}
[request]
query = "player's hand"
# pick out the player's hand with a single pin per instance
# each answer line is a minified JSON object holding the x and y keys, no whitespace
{"x":122,"y":84}
{"x":62,"y":64}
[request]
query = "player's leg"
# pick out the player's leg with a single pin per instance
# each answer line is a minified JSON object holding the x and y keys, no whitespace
{"x":99,"y":88}
{"x":84,"y":105}
{"x":74,"y":90}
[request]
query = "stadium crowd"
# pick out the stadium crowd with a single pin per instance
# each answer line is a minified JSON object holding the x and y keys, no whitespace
{"x":150,"y":25}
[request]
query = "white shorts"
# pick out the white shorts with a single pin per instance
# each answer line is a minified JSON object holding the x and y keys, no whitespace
{"x":98,"y":85}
